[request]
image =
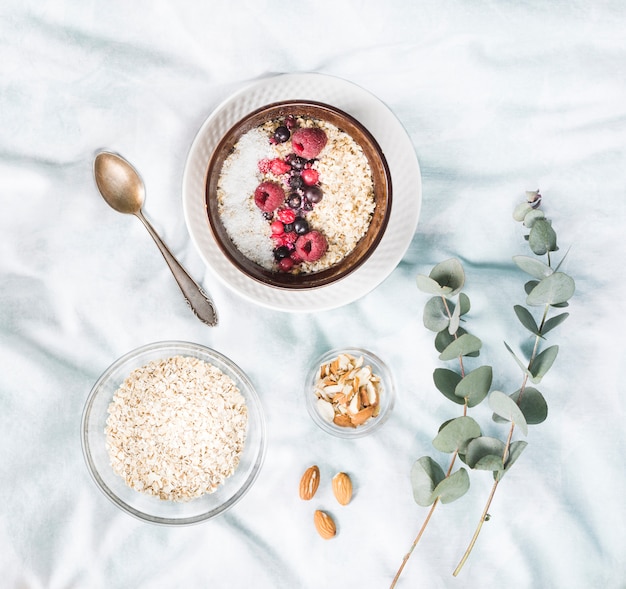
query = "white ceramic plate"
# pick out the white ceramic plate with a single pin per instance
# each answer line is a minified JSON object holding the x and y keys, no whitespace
{"x":405,"y":178}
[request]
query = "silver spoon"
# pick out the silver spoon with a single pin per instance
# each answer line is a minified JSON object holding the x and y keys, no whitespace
{"x":122,"y":188}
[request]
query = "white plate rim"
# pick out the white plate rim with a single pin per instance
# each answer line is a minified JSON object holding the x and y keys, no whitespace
{"x":398,"y":150}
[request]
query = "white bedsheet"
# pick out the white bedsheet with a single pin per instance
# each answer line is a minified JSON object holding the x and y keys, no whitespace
{"x":497,"y":98}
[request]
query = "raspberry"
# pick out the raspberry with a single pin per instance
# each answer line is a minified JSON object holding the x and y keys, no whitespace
{"x":286,"y":264}
{"x":264,"y":166}
{"x":290,"y":238}
{"x":287,"y":215}
{"x":309,"y":142}
{"x":310,"y":176}
{"x":311,"y":246}
{"x":277,"y":228}
{"x":268,"y":196}
{"x":279,"y":167}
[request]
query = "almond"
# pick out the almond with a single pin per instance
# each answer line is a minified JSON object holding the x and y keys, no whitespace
{"x":342,"y":488}
{"x":309,"y":482}
{"x":324,"y":524}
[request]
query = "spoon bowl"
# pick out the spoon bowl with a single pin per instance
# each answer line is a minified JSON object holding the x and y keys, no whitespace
{"x":123,"y":189}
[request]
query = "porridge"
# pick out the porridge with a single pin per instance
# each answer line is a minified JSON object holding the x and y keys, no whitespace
{"x":296,"y":195}
{"x":176,"y":428}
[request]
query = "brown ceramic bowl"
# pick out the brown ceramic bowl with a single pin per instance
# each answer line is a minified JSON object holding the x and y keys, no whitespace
{"x":382,"y":194}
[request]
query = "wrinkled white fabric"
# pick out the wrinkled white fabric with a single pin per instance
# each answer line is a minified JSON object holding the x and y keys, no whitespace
{"x":497,"y":98}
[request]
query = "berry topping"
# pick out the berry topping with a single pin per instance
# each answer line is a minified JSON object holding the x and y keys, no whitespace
{"x":268,"y":196}
{"x":311,"y":246}
{"x":310,"y":176}
{"x":296,"y":182}
{"x":294,"y":200}
{"x":308,"y":142}
{"x":300,"y":226}
{"x":282,"y":134}
{"x":295,"y":161}
{"x":279,"y":167}
{"x":285,"y":264}
{"x":277,"y":228}
{"x":264,"y":166}
{"x":287,"y":215}
{"x":313,"y":194}
{"x":281,"y":252}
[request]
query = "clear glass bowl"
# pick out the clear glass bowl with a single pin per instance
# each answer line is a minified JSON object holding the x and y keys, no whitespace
{"x":387,"y":394}
{"x":142,"y":505}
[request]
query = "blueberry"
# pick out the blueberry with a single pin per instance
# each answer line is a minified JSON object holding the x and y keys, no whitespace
{"x":300,"y":226}
{"x":281,"y":252}
{"x":295,"y":161}
{"x":296,"y":182}
{"x":307,"y":205}
{"x":282,"y":134}
{"x":288,"y":227}
{"x":294,"y":200}
{"x":268,"y":216}
{"x":313,"y":194}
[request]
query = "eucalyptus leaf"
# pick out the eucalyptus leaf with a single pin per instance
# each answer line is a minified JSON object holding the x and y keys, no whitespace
{"x":515,"y":450}
{"x":553,"y":322}
{"x":532,"y":216}
{"x":426,"y":474}
{"x":542,"y":363}
{"x":443,"y":339}
{"x":456,"y":434}
{"x":521,"y":210}
{"x":430,"y":286}
{"x":435,"y":315}
{"x":485,"y":453}
{"x":505,"y":407}
{"x":446,"y":381}
{"x":455,"y":320}
{"x":528,"y":287}
{"x":452,"y":487}
{"x":449,"y":274}
{"x":526,"y":319}
{"x":464,"y":303}
{"x":542,"y":238}
{"x":552,"y":290}
{"x":475,"y":385}
{"x":536,"y":268}
{"x":517,"y":360}
{"x":533,"y":405}
{"x":462,"y":346}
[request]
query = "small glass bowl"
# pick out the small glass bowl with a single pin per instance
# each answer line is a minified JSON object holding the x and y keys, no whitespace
{"x":147,"y":507}
{"x":387,"y":394}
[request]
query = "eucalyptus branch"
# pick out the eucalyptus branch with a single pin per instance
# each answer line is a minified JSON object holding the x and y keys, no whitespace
{"x":422,"y":529}
{"x":462,"y":436}
{"x":560,"y":288}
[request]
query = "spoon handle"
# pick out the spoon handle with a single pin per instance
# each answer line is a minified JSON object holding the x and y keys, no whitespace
{"x":200,"y":304}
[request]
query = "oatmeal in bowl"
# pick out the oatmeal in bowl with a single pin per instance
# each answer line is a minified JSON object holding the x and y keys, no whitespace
{"x":298,"y":195}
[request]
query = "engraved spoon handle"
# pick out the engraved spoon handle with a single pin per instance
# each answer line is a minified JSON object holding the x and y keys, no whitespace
{"x":199,"y":302}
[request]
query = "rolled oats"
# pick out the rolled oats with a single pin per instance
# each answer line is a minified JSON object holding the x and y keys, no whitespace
{"x":176,"y":428}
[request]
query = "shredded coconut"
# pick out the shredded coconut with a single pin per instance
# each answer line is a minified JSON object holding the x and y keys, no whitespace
{"x":176,"y":428}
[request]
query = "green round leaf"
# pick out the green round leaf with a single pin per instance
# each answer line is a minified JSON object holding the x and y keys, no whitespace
{"x":554,"y":289}
{"x":542,"y":238}
{"x":452,"y":487}
{"x":542,"y":363}
{"x":532,"y":404}
{"x":446,"y":381}
{"x":533,"y":266}
{"x":526,"y":319}
{"x":505,"y":407}
{"x":429,"y":286}
{"x":456,"y":434}
{"x":475,"y":385}
{"x":462,"y":346}
{"x":532,"y":216}
{"x":435,"y":315}
{"x":426,"y":474}
{"x":485,"y":453}
{"x":449,"y":274}
{"x":515,"y":449}
{"x":521,"y":210}
{"x":443,"y":339}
